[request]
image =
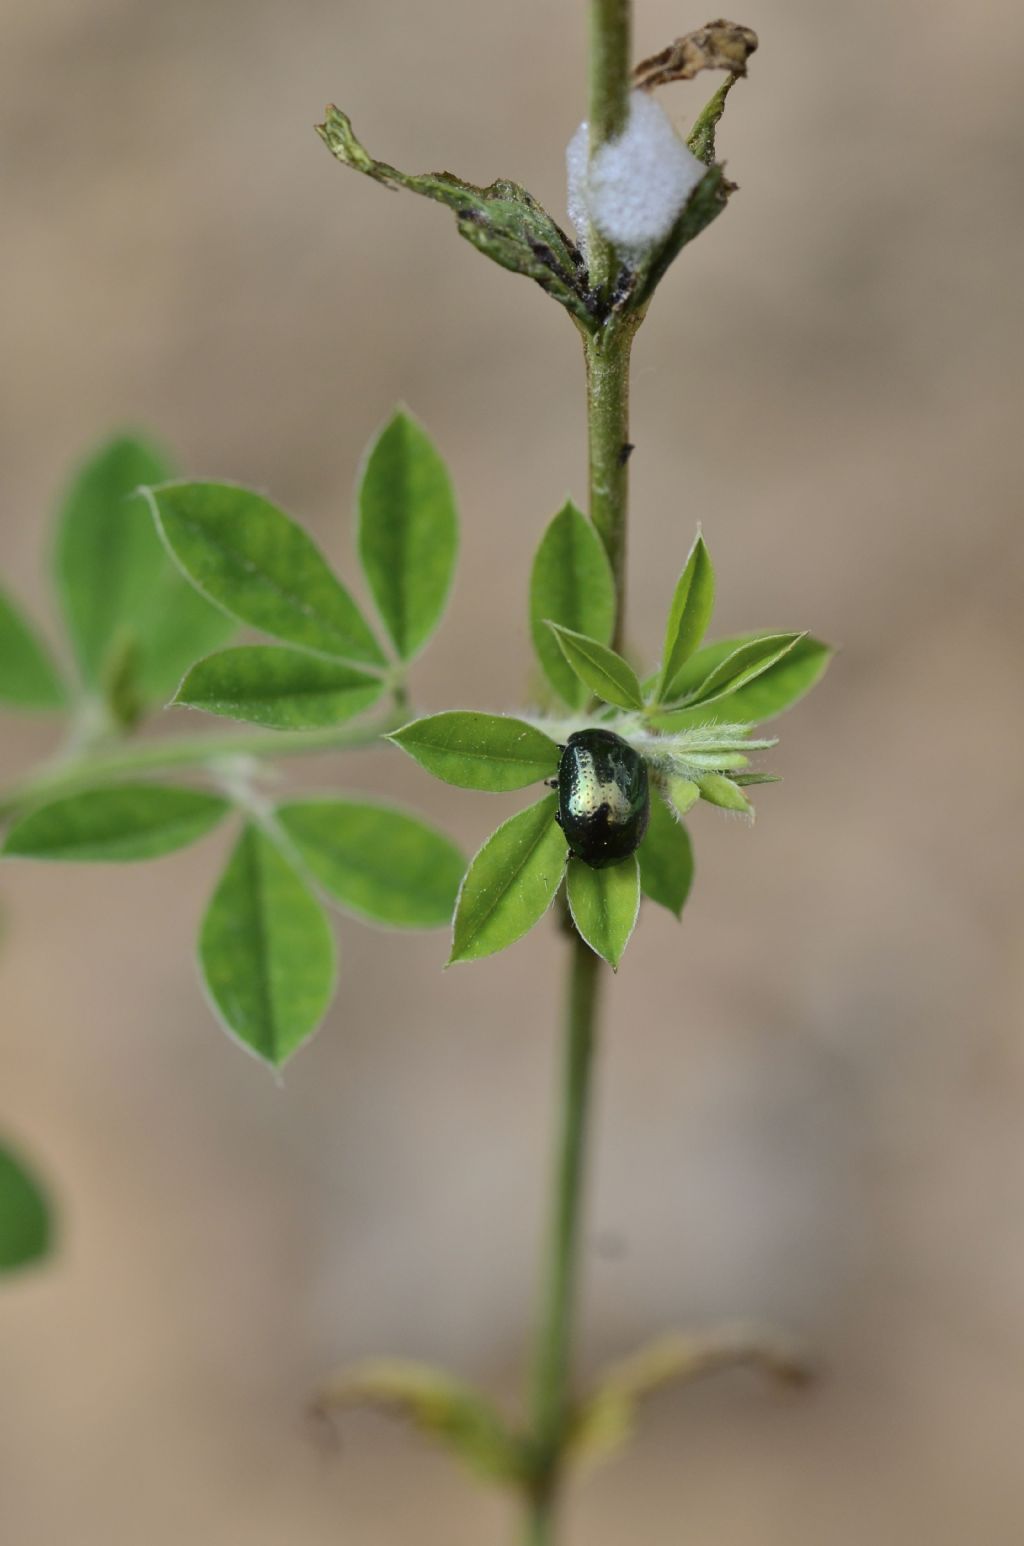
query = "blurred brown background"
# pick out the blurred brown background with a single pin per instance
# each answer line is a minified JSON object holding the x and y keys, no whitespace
{"x":812,"y":1098}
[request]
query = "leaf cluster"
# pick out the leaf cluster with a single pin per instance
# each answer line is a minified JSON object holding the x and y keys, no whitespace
{"x":691,"y":720}
{"x":509,"y":226}
{"x":154,"y":573}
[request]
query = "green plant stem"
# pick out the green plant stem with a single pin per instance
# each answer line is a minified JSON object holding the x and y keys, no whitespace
{"x":607,"y":355}
{"x":554,"y":1342}
{"x":609,"y":55}
{"x":194,"y":751}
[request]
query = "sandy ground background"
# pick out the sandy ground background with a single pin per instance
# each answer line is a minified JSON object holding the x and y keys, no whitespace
{"x":811,"y":1101}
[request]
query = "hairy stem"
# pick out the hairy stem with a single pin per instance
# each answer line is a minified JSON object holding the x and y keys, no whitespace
{"x":195,"y":751}
{"x":610,"y":52}
{"x":607,"y":361}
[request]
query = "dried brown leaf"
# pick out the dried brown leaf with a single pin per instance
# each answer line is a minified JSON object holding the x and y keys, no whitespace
{"x":720,"y":45}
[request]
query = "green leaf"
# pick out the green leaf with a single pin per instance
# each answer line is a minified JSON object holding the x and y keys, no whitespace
{"x":408,"y":532}
{"x":510,"y":884}
{"x":718,"y":790}
{"x":286,"y":689}
{"x":25,"y":1221}
{"x":28,"y":677}
{"x":682,"y":794}
{"x":117,"y":584}
{"x":571,"y":584}
{"x":502,"y":221}
{"x":606,"y":674}
{"x":666,"y":859}
{"x":764,"y":696}
{"x":260,"y":566}
{"x":701,"y":139}
{"x":480,"y":751}
{"x":705,"y":204}
{"x":604,"y":905}
{"x":688,"y":617}
{"x":437,"y":1405}
{"x":121,"y":822}
{"x":747,"y":662}
{"x":376,"y":860}
{"x":266,"y":951}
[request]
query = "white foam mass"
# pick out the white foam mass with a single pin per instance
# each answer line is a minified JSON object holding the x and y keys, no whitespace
{"x":637,"y":184}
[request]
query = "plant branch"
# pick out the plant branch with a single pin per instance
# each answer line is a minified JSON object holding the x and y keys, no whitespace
{"x":194,"y":751}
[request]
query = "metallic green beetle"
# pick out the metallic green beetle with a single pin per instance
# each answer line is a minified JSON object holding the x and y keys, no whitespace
{"x":603,"y":797}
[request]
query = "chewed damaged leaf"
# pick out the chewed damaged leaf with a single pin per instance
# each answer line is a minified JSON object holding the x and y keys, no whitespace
{"x":502,"y":221}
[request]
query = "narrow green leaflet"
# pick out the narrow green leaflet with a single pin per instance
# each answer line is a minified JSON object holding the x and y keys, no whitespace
{"x":285,"y":689}
{"x":682,"y":794}
{"x":266,"y":951}
{"x":604,"y":905}
{"x":705,"y":204}
{"x":116,"y":582}
{"x":607,"y":675}
{"x":747,"y":661}
{"x":502,"y":221}
{"x":376,"y":860}
{"x":666,"y":859}
{"x":701,"y":138}
{"x":25,"y":1222}
{"x":28,"y":676}
{"x":688,"y":618}
{"x":772,"y":691}
{"x":437,"y":1405}
{"x":260,"y":566}
{"x":122,"y":822}
{"x":723,"y":792}
{"x":510,"y":884}
{"x":480,"y":751}
{"x":408,"y":532}
{"x":571,"y":584}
